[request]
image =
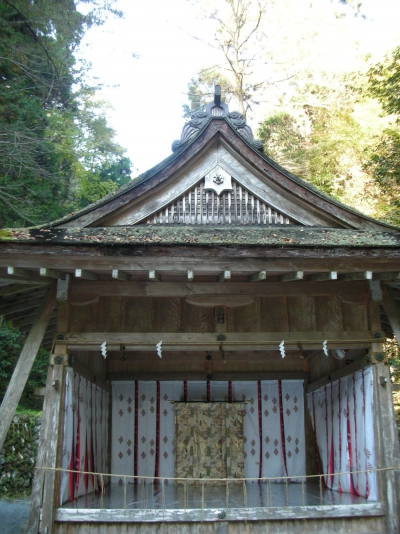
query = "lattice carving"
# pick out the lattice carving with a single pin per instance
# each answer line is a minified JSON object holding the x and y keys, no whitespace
{"x":202,"y":206}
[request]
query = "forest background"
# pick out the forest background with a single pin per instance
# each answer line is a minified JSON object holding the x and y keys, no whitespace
{"x":330,"y":124}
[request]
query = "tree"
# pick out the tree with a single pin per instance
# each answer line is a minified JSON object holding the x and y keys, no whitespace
{"x":384,"y":160}
{"x":264,"y":44}
{"x":323,"y":137}
{"x":50,"y":119}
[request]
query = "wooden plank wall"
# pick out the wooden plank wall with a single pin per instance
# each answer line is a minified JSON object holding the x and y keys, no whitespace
{"x":265,"y":314}
{"x":355,"y":525}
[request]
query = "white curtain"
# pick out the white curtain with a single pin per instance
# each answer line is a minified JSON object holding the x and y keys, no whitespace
{"x":85,"y":436}
{"x":342,"y":416}
{"x":273,"y":425}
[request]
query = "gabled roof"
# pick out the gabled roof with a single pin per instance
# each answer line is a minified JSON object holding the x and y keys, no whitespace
{"x":217,"y":174}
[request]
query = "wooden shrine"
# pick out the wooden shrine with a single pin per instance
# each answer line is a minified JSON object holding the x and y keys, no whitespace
{"x":216,"y":277}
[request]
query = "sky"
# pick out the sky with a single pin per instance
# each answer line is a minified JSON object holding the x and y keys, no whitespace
{"x":146,"y":60}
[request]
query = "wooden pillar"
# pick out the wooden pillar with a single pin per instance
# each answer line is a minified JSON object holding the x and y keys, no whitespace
{"x":37,"y":485}
{"x":46,"y":484}
{"x":25,"y":361}
{"x":386,"y":446}
{"x":392,"y":310}
{"x":54,"y":422}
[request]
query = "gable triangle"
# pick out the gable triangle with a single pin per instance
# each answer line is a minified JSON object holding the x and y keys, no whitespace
{"x":202,"y":205}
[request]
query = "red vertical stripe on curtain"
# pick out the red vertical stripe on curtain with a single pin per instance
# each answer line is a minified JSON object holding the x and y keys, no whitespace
{"x":340,"y":436}
{"x":327,"y":436}
{"x":259,"y":428}
{"x":283,"y":438}
{"x":78,"y":440}
{"x":350,"y":449}
{"x":135,"y":463}
{"x":157,"y":463}
{"x":332,"y":450}
{"x":355,"y":435}
{"x":86,"y":464}
{"x":367,"y":491}
{"x":315,"y":437}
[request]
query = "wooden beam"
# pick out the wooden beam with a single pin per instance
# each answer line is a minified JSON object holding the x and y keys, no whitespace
{"x":320,"y":277}
{"x":190,"y":276}
{"x":392,"y":309}
{"x":291,"y":277}
{"x":119,"y":275}
{"x":18,"y":271}
{"x":154,"y":276}
{"x":86,"y":275}
{"x":363,"y":275}
{"x":224,"y":276}
{"x":233,"y":341}
{"x":392,"y":275}
{"x":256,"y":277}
{"x":184,"y":289}
{"x":361,"y":363}
{"x":25,"y":362}
{"x":51,"y":273}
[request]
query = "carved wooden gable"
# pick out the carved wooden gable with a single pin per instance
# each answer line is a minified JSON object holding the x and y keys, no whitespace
{"x":217,"y":189}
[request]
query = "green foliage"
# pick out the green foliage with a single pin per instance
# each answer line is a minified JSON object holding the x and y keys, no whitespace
{"x":11,"y":343}
{"x":384,"y":83}
{"x":54,"y":137}
{"x":323,"y":139}
{"x":384,"y":161}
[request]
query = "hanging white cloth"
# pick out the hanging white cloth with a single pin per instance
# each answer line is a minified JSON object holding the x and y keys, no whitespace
{"x":273,"y":425}
{"x":342,"y":416}
{"x":85,"y":436}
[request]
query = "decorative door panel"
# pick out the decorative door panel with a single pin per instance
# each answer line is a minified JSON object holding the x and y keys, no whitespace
{"x":209,"y":440}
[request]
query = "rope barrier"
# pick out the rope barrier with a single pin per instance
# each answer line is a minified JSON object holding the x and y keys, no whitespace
{"x":186,"y":480}
{"x":154,"y":488}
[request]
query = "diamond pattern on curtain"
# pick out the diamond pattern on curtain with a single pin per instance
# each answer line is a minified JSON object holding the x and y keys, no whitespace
{"x":85,"y":436}
{"x":279,"y":406}
{"x":342,"y":417}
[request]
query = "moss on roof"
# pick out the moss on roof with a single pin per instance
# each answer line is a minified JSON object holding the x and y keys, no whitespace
{"x":290,"y":236}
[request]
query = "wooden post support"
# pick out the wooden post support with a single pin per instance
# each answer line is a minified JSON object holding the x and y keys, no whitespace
{"x":37,"y":485}
{"x":348,"y":277}
{"x":290,"y":277}
{"x":154,"y":276}
{"x":392,"y":310}
{"x":25,"y":362}
{"x":86,"y":275}
{"x":119,"y":275}
{"x":18,"y":271}
{"x":54,"y":422}
{"x":386,"y":446}
{"x":51,"y":273}
{"x":256,"y":277}
{"x":320,"y":277}
{"x":224,"y":277}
